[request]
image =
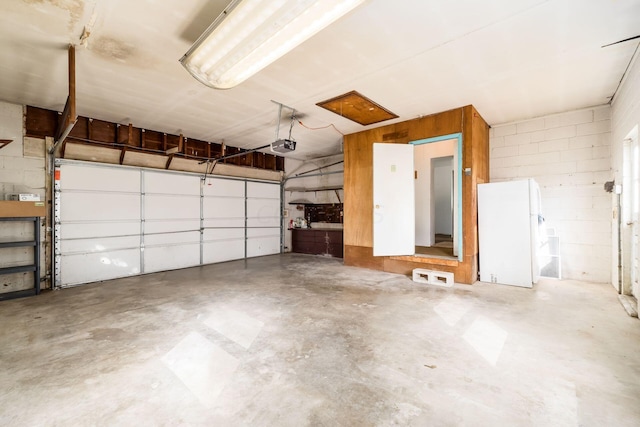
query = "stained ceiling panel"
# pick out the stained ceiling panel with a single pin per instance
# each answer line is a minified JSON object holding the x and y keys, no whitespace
{"x":511,"y":59}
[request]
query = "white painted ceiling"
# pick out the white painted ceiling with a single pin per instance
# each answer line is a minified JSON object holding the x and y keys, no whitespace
{"x":511,"y":59}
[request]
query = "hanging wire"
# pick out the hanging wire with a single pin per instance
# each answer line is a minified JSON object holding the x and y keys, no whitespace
{"x":321,"y":127}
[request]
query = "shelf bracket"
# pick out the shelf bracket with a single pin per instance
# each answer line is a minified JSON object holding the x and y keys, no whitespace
{"x":5,"y":142}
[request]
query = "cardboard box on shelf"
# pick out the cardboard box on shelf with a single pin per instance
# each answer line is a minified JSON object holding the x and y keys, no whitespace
{"x":23,"y":197}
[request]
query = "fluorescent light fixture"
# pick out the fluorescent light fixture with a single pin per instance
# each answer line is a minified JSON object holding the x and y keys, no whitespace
{"x":251,"y":34}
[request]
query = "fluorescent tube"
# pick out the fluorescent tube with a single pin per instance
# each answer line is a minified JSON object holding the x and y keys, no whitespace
{"x":251,"y":34}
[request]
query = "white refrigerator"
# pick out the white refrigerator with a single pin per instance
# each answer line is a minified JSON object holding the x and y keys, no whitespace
{"x":509,"y":232}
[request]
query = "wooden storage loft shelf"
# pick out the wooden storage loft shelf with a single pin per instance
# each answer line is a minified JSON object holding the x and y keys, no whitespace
{"x":311,"y":190}
{"x":133,"y":141}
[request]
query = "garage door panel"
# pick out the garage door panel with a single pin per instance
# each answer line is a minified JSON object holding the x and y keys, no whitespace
{"x":223,"y":187}
{"x":96,"y":206}
{"x":263,"y":246}
{"x":263,"y":213}
{"x":171,"y":250}
{"x":224,"y":223}
{"x":94,"y":267}
{"x":223,"y":212}
{"x":95,"y":229}
{"x":263,"y":190}
{"x":169,"y":226}
{"x":171,"y":239}
{"x":263,"y":241}
{"x":223,"y":251}
{"x":171,"y":207}
{"x":223,"y":245}
{"x":223,"y":234}
{"x":171,"y":183}
{"x":97,"y":178}
{"x":102,"y":244}
{"x":219,"y":207}
{"x":161,"y":258}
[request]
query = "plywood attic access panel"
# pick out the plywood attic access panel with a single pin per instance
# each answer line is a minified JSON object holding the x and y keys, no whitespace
{"x":358,"y":190}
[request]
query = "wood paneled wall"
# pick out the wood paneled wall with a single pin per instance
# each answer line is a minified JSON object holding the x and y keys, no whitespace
{"x":358,"y":189}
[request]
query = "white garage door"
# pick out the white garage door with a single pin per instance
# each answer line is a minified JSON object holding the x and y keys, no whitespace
{"x":115,"y":222}
{"x":263,"y":219}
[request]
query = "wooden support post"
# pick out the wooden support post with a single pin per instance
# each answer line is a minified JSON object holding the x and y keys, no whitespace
{"x":142,"y":138}
{"x":173,"y":151}
{"x":164,"y":142}
{"x":129,"y":142}
{"x":63,"y":146}
{"x":72,"y":85}
{"x":122,"y":153}
{"x":69,"y":116}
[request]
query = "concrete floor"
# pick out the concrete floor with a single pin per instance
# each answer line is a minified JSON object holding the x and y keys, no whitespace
{"x":300,"y":340}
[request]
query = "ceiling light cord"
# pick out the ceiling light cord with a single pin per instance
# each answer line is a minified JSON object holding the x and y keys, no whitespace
{"x":331,"y":125}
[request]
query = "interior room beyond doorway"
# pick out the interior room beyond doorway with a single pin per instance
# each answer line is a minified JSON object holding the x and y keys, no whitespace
{"x":435,"y":198}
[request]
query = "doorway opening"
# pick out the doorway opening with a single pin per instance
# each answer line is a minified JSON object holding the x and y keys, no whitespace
{"x":631,"y":215}
{"x":403,"y":198}
{"x":442,"y":202}
{"x":436,"y":168}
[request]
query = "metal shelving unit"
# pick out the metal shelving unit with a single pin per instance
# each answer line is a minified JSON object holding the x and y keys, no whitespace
{"x":35,"y":267}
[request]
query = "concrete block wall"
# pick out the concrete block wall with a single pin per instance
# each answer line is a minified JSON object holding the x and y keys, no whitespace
{"x":22,"y":170}
{"x":569,"y":155}
{"x":625,"y":118}
{"x":22,"y":162}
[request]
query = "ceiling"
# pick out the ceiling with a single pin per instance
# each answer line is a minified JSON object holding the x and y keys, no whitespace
{"x":511,"y":59}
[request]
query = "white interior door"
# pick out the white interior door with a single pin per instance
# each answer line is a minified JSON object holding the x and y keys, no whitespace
{"x":393,"y":200}
{"x":536,"y":238}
